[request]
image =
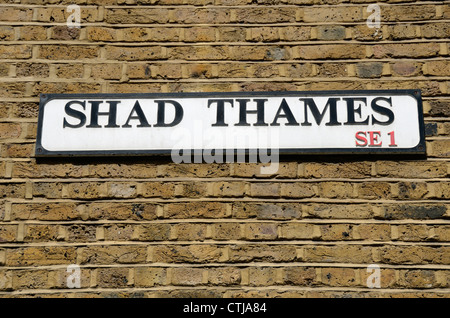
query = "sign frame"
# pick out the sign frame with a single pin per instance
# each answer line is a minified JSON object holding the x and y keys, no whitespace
{"x":419,"y":149}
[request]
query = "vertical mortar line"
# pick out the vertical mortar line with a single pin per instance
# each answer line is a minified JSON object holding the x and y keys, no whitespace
{"x":7,"y":216}
{"x":150,"y":252}
{"x":2,"y":257}
{"x":351,"y":70}
{"x":205,"y":276}
{"x":28,"y":189}
{"x":93,"y":279}
{"x":8,"y":169}
{"x":100,"y":233}
{"x":319,"y":274}
{"x":20,"y":232}
{"x":130,"y":278}
{"x":169,"y":275}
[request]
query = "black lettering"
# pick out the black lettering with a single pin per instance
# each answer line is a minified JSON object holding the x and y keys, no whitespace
{"x":220,"y":117}
{"x":284,"y":107}
{"x":318,"y":116}
{"x":112,"y":114}
{"x":351,"y":111}
{"x":243,"y":111}
{"x":160,"y":121}
{"x":74,"y":113}
{"x":382,"y":110}
{"x":139,"y":116}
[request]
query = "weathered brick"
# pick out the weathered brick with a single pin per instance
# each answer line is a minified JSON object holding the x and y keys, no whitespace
{"x":61,"y":14}
{"x":67,"y":52}
{"x":8,"y":233}
{"x":96,"y":34}
{"x":152,"y":232}
{"x":16,"y":14}
{"x":411,"y":169}
{"x":300,"y":276}
{"x":336,"y":232}
{"x":122,"y":211}
{"x":69,"y":70}
{"x":25,"y":279}
{"x":338,"y":254}
{"x":32,"y":69}
{"x":190,"y":232}
{"x":63,"y":211}
{"x":333,"y":14}
{"x":265,"y":189}
{"x":413,"y":211}
{"x":261,"y":253}
{"x":275,"y":211}
{"x":32,"y":33}
{"x":12,"y":190}
{"x":406,"y":68}
{"x":7,"y":33}
{"x":372,"y":232}
{"x":41,"y":233}
{"x":188,"y":253}
{"x":261,"y":231}
{"x":149,"y":276}
{"x":369,"y":70}
{"x":122,"y":53}
{"x":332,"y":70}
{"x":41,"y":256}
{"x":438,"y":68}
{"x":339,"y":276}
{"x":340,"y":211}
{"x":414,"y":254}
{"x":226,"y":231}
{"x":195,"y":210}
{"x":410,"y":50}
{"x":297,"y":231}
{"x":224,"y":276}
{"x":332,"y":189}
{"x":337,"y":170}
{"x":10,"y":130}
{"x":134,"y":15}
{"x":65,"y":33}
{"x":331,"y":32}
{"x":374,"y":190}
{"x":298,"y":190}
{"x":187,"y":276}
{"x":112,"y":277}
{"x":330,"y":51}
{"x":116,"y":254}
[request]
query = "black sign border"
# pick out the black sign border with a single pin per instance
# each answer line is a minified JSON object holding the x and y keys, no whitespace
{"x":419,"y":149}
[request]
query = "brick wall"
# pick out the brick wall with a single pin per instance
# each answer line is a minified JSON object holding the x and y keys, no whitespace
{"x":146,"y":227}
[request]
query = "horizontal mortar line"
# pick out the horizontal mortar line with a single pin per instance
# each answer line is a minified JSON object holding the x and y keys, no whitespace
{"x":32,"y":160}
{"x":281,"y":241}
{"x":432,"y":138}
{"x":222,"y":79}
{"x":227,"y":200}
{"x":440,"y":119}
{"x":188,"y":62}
{"x":215,"y":6}
{"x":221,"y":43}
{"x":229,"y":288}
{"x":237,"y":264}
{"x":220,"y":179}
{"x":298,"y":243}
{"x":303,"y":220}
{"x":228,"y":61}
{"x":105,"y":24}
{"x":285,"y":79}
